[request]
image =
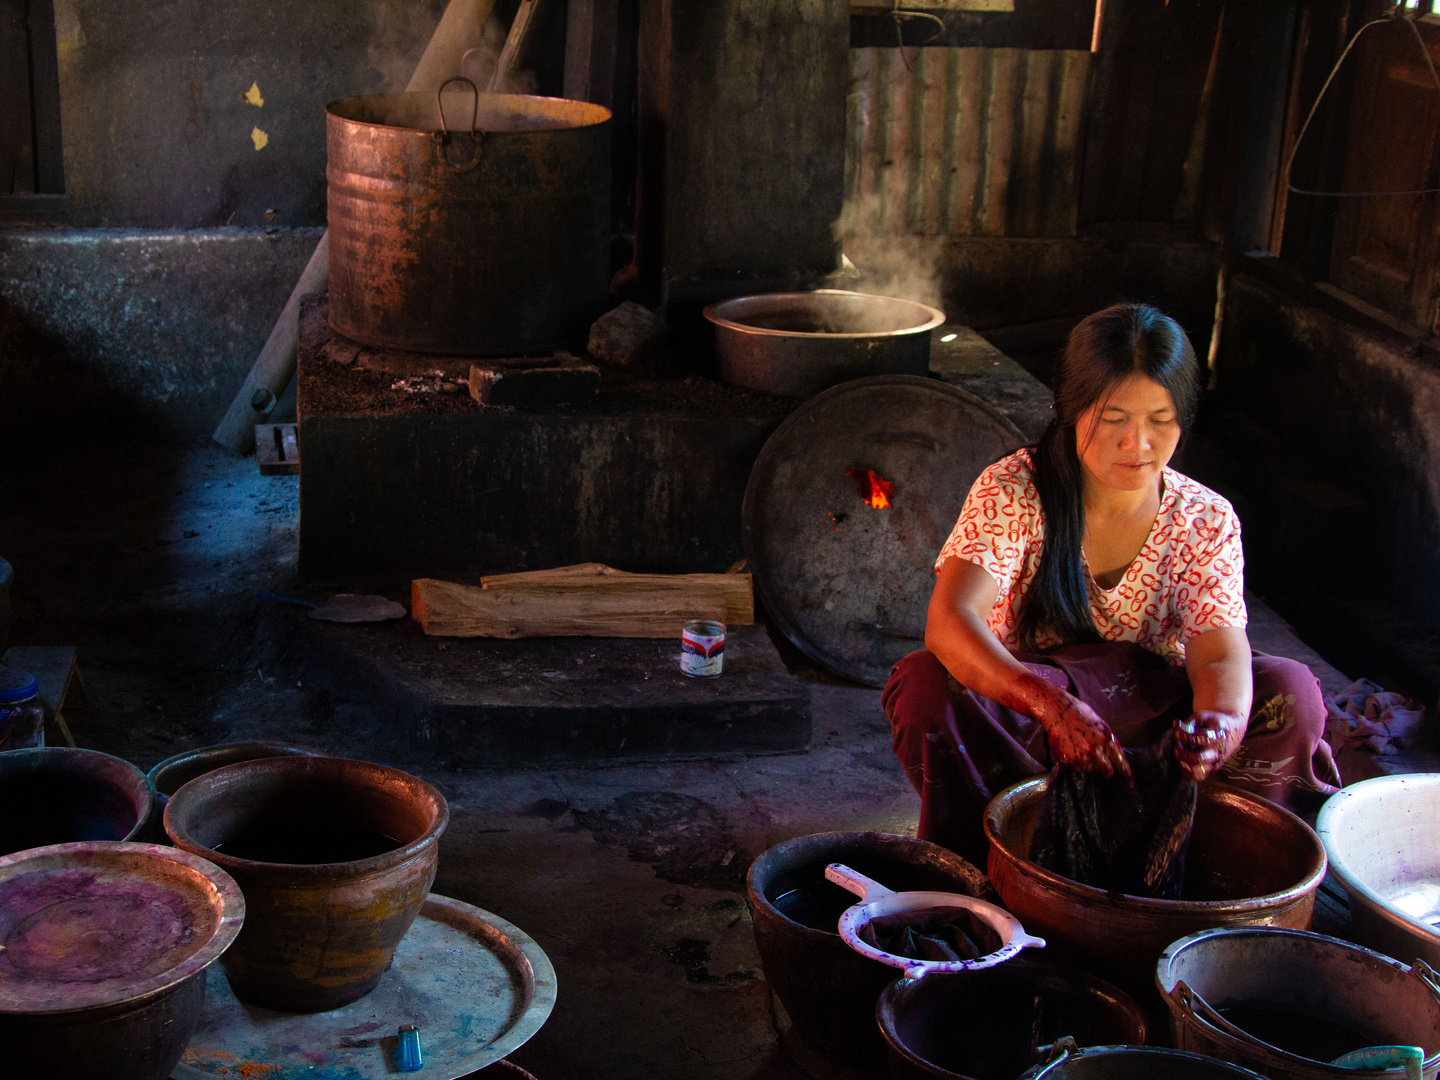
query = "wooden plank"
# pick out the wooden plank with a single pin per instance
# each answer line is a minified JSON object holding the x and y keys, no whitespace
{"x":515,"y":43}
{"x":970,"y":154}
{"x":277,"y":450}
{"x":17,"y":128}
{"x":935,"y":146}
{"x":1064,"y":205}
{"x":1033,"y":172}
{"x":1003,"y":120}
{"x":588,"y":600}
{"x":896,"y":161}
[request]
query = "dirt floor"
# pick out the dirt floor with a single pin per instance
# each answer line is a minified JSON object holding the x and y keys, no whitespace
{"x":631,"y":878}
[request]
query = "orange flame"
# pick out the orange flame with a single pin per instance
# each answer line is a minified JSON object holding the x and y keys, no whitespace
{"x":875,"y":490}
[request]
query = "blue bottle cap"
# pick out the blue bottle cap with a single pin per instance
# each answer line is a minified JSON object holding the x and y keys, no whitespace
{"x":17,"y":685}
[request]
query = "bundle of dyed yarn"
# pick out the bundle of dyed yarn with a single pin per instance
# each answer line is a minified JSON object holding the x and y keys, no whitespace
{"x":1105,"y":833}
{"x":939,"y":933}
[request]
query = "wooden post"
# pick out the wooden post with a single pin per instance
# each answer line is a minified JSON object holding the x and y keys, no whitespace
{"x":591,"y":36}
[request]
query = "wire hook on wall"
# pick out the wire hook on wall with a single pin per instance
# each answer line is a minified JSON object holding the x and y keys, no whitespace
{"x":1401,"y":13}
{"x":899,"y":15}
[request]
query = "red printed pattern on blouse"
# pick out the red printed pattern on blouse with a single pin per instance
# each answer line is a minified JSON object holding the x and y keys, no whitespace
{"x":1188,"y":578}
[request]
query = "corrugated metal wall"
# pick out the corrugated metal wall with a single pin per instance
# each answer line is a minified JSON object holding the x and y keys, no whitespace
{"x":967,"y":141}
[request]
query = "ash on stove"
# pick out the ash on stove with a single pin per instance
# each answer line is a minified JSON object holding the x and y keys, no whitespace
{"x":432,"y":382}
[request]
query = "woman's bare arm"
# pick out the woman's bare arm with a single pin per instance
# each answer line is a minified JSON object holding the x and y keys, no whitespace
{"x":1218,"y":663}
{"x":956,"y":632}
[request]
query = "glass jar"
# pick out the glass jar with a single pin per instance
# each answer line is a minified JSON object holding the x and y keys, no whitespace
{"x":22,"y":717}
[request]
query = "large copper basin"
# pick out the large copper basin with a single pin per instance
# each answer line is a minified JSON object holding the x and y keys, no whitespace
{"x":1251,"y":863}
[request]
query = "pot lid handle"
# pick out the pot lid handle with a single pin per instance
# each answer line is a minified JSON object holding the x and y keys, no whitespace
{"x":1061,"y":1051}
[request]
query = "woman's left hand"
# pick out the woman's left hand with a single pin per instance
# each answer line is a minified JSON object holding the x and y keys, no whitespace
{"x":1206,"y":740}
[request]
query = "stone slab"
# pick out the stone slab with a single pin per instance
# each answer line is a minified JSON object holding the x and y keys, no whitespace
{"x":970,"y":362}
{"x":482,"y":703}
{"x":137,"y":330}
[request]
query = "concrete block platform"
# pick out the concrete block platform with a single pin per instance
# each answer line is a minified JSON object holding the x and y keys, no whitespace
{"x":486,"y":703}
{"x":399,"y":480}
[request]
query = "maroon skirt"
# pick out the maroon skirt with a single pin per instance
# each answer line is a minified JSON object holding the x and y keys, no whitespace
{"x":960,"y":750}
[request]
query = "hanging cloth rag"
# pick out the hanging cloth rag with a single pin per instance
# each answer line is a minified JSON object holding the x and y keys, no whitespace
{"x":1104,"y":833}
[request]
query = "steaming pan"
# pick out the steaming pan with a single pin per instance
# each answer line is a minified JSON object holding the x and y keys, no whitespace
{"x":876,"y":900}
{"x":847,"y":583}
{"x":797,"y":344}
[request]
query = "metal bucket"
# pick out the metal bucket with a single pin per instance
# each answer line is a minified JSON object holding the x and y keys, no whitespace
{"x":991,"y":1022}
{"x":797,"y":344}
{"x":1290,"y":973}
{"x":1383,"y":839}
{"x":490,"y":238}
{"x":1069,"y":1062}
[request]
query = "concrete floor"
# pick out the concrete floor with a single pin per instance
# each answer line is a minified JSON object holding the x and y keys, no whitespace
{"x":630,"y":878}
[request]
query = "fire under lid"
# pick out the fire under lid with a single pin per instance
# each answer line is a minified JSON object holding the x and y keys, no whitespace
{"x":849,"y":504}
{"x":91,"y":924}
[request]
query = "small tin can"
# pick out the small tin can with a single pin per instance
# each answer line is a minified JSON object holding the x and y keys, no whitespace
{"x":702,"y":647}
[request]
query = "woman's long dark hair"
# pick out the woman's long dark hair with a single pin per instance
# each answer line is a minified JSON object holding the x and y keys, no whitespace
{"x":1105,"y":348}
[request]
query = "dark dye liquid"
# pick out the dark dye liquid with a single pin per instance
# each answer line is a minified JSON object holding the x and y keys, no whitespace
{"x":306,"y":845}
{"x":817,"y":905}
{"x":1304,"y":1034}
{"x":43,"y":808}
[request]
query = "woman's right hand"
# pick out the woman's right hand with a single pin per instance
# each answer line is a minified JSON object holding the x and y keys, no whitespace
{"x":1078,"y":738}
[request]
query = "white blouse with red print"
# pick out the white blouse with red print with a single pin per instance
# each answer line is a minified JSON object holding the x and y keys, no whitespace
{"x":1188,"y":578}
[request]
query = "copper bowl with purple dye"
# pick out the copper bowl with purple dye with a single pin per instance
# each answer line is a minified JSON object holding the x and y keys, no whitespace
{"x":335,"y":858}
{"x":102,"y":973}
{"x":1250,"y":863}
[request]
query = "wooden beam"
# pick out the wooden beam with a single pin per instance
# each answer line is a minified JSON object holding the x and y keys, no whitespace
{"x":588,"y":600}
{"x":514,"y":44}
{"x":591,"y":39}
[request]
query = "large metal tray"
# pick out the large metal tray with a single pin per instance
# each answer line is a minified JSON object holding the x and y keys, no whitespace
{"x":476,"y":987}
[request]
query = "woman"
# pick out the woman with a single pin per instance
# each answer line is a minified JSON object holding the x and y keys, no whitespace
{"x":1089,"y":598}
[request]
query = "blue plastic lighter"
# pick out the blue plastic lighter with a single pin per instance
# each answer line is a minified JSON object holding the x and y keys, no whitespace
{"x":411,"y":1059}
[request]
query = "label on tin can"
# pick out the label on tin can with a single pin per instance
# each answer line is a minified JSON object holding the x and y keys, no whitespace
{"x":702,"y":648}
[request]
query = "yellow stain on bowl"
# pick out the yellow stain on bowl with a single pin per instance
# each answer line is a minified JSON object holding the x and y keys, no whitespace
{"x":259,"y":138}
{"x":253,"y":95}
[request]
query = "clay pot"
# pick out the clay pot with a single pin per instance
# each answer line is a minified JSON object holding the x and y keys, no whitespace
{"x":60,"y":795}
{"x":179,"y":769}
{"x":829,"y":990}
{"x":304,"y":838}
